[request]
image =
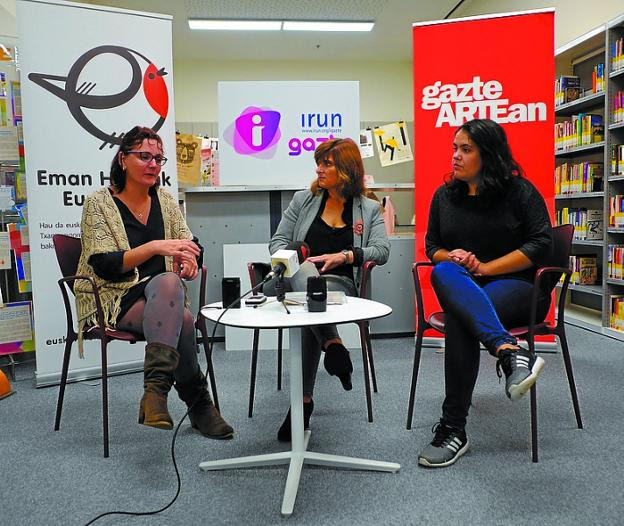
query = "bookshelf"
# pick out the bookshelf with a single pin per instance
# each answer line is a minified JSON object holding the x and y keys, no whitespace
{"x":614,"y":148}
{"x":584,"y":179}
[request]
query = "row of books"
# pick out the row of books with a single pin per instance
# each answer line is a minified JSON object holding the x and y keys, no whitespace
{"x":616,"y":211}
{"x":584,"y":269}
{"x":572,"y":178}
{"x":617,"y":159}
{"x":616,"y":318}
{"x":615,"y":260}
{"x":583,"y":129}
{"x":567,"y":89}
{"x":588,"y":224}
{"x":617,"y":54}
{"x":618,"y":107}
{"x":598,"y":78}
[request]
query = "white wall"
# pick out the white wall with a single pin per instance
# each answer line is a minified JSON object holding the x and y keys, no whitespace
{"x":385,"y":87}
{"x":573,"y":18}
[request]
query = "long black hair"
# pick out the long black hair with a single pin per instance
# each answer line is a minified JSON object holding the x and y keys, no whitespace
{"x":498,"y":167}
{"x":131,"y":139}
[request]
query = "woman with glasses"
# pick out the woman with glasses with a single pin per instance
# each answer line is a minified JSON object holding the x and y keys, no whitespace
{"x":343,"y":229}
{"x":138,"y":248}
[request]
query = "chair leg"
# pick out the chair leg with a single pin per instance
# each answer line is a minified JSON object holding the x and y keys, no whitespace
{"x":369,"y":402}
{"x":254,"y":363}
{"x":209,"y":366}
{"x":103,"y":344}
{"x":534,"y":423}
{"x":280,"y":336}
{"x":568,"y":366}
{"x":59,"y":404}
{"x":412,"y":397}
{"x":369,"y":352}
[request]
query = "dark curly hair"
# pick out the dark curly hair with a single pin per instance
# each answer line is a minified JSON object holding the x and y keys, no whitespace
{"x":130,"y":140}
{"x":498,"y":167}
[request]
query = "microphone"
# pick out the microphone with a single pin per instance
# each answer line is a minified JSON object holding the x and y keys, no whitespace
{"x":285,"y":262}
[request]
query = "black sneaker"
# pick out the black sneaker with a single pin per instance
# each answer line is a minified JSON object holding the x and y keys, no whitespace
{"x":448,"y":444}
{"x":521,"y":368}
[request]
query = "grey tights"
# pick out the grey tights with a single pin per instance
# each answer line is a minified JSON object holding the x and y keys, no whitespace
{"x":162,"y":318}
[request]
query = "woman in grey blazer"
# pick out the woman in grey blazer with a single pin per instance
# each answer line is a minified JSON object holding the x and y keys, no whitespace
{"x":343,"y":229}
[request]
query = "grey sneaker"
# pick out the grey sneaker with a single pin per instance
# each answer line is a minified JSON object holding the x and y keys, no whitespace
{"x":521,"y":368}
{"x":448,"y":444}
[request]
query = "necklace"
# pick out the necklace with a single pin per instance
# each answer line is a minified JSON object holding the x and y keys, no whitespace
{"x":140,"y":212}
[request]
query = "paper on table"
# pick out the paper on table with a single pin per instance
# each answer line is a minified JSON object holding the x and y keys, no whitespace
{"x":334,"y":297}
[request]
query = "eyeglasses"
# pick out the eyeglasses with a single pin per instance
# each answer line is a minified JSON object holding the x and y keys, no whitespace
{"x":147,"y":157}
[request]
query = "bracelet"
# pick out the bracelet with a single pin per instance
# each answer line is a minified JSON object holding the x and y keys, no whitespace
{"x":345,"y":253}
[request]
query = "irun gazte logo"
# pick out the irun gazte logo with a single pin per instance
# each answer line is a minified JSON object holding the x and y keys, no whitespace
{"x":256,"y":132}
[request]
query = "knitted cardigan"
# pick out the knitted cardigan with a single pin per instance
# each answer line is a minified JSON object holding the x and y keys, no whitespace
{"x":103,"y":231}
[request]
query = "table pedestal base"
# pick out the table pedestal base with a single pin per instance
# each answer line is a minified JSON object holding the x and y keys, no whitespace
{"x":296,"y":461}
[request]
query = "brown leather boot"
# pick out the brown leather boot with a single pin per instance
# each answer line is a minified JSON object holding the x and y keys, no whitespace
{"x":203,"y":414}
{"x":160,"y":363}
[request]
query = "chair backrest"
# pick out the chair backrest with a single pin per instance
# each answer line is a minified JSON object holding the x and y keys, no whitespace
{"x":68,"y":251}
{"x":257,"y":272}
{"x":365,"y":279}
{"x":560,"y":254}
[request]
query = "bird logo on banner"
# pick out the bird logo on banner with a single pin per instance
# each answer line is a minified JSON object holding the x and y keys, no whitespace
{"x":85,"y":104}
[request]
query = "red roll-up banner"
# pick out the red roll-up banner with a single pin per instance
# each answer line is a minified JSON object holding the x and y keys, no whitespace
{"x":499,"y":67}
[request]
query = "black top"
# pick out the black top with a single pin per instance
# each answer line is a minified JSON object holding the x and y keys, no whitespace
{"x":108,"y":266}
{"x":325,"y":239}
{"x":518,"y":221}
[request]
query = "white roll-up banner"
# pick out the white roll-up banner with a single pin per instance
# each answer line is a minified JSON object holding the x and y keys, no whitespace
{"x":89,"y":74}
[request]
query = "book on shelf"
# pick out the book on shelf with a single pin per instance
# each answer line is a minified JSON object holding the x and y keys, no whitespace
{"x":616,"y":313}
{"x":617,"y":54}
{"x":588,"y":224}
{"x":615,"y":255}
{"x":566,"y":87}
{"x":584,"y":269}
{"x":616,"y":211}
{"x":571,"y":178}
{"x":595,"y":221}
{"x":618,"y":107}
{"x":582,"y":130}
{"x":598,"y":78}
{"x":617,"y":159}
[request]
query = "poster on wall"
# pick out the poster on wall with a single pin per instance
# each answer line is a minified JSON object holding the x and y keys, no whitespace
{"x":268,"y":131}
{"x":188,"y":158}
{"x":482,"y":85}
{"x":366,"y":143}
{"x":393,"y":143}
{"x":107,"y":71}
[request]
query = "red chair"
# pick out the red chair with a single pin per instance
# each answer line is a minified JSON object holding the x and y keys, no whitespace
{"x":257,"y":272}
{"x":68,"y":250}
{"x":546,"y":277}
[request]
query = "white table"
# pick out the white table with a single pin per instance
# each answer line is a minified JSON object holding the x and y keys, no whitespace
{"x":273,"y":316}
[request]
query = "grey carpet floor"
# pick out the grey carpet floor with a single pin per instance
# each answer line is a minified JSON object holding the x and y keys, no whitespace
{"x":49,"y":478}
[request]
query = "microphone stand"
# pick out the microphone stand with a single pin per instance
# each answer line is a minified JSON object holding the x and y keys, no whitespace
{"x":280,"y":292}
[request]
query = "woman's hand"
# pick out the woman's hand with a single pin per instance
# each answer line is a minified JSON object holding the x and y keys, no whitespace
{"x":467,"y":260}
{"x":329,"y":261}
{"x":186,"y":266}
{"x":174,"y":247}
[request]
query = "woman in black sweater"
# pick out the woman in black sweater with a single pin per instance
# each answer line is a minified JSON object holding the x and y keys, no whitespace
{"x":488,"y":230}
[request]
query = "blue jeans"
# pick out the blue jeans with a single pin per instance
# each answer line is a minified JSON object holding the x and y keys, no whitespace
{"x":477,"y":310}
